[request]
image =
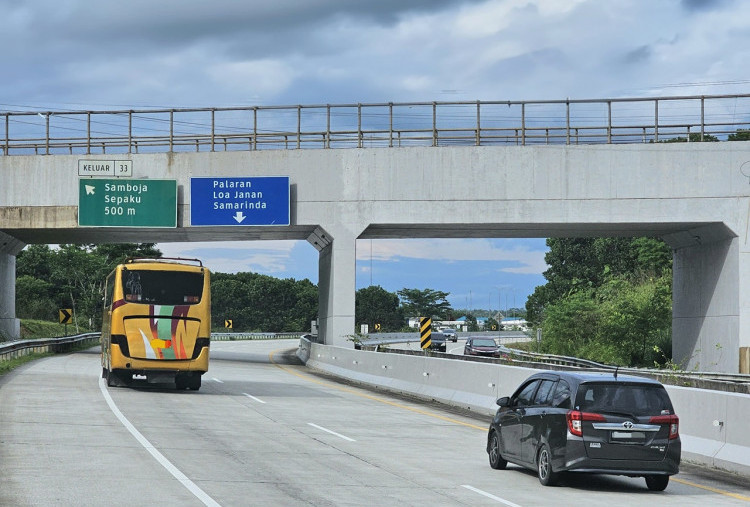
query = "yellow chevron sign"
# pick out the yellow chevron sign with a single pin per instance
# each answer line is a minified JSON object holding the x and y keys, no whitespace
{"x":65,"y":314}
{"x":425,"y":332}
{"x":228,"y":323}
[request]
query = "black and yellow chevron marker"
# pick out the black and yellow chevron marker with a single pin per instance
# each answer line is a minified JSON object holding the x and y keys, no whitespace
{"x":65,"y":314}
{"x":425,"y":332}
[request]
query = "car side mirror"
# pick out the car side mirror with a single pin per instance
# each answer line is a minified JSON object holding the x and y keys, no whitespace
{"x":503,"y":402}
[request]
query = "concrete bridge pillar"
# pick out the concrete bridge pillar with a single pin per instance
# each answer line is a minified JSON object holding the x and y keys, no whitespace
{"x":707,"y":332}
{"x":336,"y":283}
{"x":10,"y":326}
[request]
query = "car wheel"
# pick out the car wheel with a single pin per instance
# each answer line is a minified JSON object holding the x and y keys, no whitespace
{"x":544,"y":467}
{"x":496,"y":460}
{"x":657,"y":482}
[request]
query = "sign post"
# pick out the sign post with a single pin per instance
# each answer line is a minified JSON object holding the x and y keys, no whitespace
{"x":65,"y":314}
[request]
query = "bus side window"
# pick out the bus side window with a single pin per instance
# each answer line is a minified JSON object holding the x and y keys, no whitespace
{"x":109,"y":290}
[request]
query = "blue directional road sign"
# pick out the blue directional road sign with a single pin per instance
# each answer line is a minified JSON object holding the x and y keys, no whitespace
{"x":259,"y":200}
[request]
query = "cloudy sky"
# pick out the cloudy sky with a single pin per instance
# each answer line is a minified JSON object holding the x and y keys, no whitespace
{"x":99,"y":54}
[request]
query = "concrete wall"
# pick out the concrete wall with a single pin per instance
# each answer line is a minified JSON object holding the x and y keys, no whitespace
{"x":10,"y":326}
{"x":713,"y":424}
{"x":692,"y":194}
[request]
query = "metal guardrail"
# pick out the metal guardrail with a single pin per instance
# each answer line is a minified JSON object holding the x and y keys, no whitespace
{"x":373,"y":340}
{"x":479,"y":123}
{"x":14,"y":349}
{"x":254,"y":336}
{"x":710,"y":380}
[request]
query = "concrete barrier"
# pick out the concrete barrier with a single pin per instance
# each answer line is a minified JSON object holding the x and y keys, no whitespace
{"x":713,"y":424}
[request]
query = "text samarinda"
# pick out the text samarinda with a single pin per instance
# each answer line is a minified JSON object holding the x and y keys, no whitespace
{"x":240,"y":205}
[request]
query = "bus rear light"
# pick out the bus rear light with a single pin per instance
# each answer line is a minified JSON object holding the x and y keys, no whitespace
{"x":122,"y":341}
{"x":672,"y":420}
{"x":575,"y":421}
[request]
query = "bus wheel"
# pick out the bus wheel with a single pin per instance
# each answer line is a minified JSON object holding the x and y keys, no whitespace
{"x":195,"y":382}
{"x":118,"y":378}
{"x":181,"y":382}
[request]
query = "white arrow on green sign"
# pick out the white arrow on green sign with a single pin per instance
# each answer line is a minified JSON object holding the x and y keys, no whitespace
{"x":127,"y":203}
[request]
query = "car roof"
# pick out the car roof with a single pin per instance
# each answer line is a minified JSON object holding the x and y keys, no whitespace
{"x":577,"y":377}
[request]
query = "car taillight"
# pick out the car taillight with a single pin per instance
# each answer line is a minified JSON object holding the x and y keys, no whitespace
{"x":575,"y":421}
{"x":672,"y":420}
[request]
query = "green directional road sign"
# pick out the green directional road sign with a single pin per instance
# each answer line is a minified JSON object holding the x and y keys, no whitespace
{"x":127,"y":203}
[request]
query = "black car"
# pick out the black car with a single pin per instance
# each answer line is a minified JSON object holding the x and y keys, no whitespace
{"x":600,"y":423}
{"x":437,"y":341}
{"x":481,"y":346}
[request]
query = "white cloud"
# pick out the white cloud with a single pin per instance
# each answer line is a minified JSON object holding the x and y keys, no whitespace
{"x":513,"y":256}
{"x":236,"y":256}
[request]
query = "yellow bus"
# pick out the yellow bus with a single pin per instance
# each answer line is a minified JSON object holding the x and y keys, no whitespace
{"x":157,"y":322}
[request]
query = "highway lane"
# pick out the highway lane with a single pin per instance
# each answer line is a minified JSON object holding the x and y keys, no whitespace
{"x":262,"y":431}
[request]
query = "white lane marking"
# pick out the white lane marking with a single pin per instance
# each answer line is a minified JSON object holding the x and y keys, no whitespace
{"x":321,"y":428}
{"x":254,"y":398}
{"x":190,"y":485}
{"x":488,"y":495}
{"x":217,"y":380}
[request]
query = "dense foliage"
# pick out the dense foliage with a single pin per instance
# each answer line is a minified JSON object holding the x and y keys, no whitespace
{"x":425,"y":303}
{"x":73,"y":276}
{"x":257,"y":302}
{"x":375,"y":305}
{"x":606,"y":299}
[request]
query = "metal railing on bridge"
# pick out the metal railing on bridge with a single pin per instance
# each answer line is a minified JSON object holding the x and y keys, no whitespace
{"x":472,"y":123}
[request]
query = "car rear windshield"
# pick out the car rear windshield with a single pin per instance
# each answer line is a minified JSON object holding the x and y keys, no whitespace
{"x":483,"y":342}
{"x":162,"y":287}
{"x":624,"y":398}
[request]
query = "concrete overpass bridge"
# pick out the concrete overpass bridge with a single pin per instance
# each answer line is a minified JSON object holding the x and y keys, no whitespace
{"x":440,"y":170}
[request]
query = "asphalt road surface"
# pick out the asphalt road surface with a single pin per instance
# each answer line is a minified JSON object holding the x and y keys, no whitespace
{"x":264,"y":430}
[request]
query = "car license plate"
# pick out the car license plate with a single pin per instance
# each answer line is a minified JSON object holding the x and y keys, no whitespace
{"x":628,"y":435}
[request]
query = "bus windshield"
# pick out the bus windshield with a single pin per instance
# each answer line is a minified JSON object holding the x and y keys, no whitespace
{"x":162,"y":287}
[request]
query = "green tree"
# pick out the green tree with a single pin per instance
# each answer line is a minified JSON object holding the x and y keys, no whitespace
{"x":740,"y":135}
{"x":635,"y":317}
{"x":375,"y":305}
{"x":622,"y":322}
{"x":471,"y":323}
{"x":425,"y":303}
{"x":256,"y":302}
{"x":586,"y":263}
{"x":695,"y":137}
{"x":35,"y":299}
{"x":570,"y":325}
{"x":70,"y":276}
{"x":493,"y":325}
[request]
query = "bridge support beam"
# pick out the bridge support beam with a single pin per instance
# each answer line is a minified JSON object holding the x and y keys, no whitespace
{"x":10,"y":326}
{"x":336,"y":284}
{"x":707,"y":331}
